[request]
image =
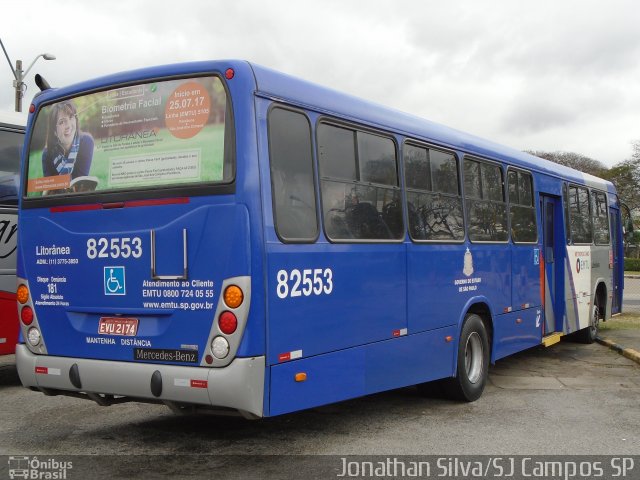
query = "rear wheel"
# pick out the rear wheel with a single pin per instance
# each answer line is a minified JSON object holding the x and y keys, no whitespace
{"x":589,"y":334}
{"x":473,"y":361}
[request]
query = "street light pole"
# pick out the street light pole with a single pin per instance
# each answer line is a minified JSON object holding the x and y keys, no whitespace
{"x":18,"y":85}
{"x":19,"y":75}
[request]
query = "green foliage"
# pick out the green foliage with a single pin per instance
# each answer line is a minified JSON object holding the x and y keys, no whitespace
{"x":632,"y":264}
{"x":626,"y":321}
{"x":624,"y":175}
{"x":573,"y":160}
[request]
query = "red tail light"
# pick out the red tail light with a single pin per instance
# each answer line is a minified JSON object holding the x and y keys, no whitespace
{"x":228,"y":323}
{"x":26,"y":315}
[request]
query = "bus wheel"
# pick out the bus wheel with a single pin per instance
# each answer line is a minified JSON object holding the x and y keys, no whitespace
{"x":473,"y":361}
{"x":589,"y":334}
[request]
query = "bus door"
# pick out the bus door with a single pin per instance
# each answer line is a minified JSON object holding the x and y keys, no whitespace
{"x":553,"y":271}
{"x":616,"y":288}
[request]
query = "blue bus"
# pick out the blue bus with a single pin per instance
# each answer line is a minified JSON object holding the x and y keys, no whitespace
{"x":218,"y":235}
{"x":11,"y":140}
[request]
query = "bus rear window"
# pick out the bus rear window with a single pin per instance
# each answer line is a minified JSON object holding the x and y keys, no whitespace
{"x":160,"y":134}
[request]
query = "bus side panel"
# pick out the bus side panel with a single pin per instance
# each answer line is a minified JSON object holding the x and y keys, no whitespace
{"x":326,"y":297}
{"x":433,"y":298}
{"x":516,"y":331}
{"x":330,"y":378}
{"x":443,"y":278}
{"x":354,"y":372}
{"x":586,"y":265}
{"x":602,"y":272}
{"x":522,"y":328}
{"x":577,"y":288}
{"x":526,"y":276}
{"x":410,"y":360}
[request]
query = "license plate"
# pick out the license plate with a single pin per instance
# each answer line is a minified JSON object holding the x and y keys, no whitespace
{"x":127,"y":327}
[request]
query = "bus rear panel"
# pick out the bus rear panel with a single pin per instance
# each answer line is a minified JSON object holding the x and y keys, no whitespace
{"x":136,"y":276}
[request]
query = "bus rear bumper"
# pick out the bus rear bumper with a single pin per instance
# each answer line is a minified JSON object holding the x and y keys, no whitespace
{"x":239,"y":385}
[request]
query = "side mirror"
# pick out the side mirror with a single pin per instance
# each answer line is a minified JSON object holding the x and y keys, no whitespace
{"x":629,"y":225}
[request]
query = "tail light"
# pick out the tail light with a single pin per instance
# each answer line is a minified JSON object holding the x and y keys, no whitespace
{"x":233,"y":296}
{"x":22,"y":294}
{"x":26,"y":315}
{"x":220,"y":347}
{"x":227,"y":322}
{"x":33,"y":336}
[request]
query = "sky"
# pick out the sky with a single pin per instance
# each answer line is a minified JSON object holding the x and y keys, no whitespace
{"x":552,"y":75}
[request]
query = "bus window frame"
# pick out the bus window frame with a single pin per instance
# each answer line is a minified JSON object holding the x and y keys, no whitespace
{"x":566,"y":213}
{"x":593,"y":193}
{"x":356,"y":127}
{"x":314,"y":172}
{"x":569,"y":215}
{"x":480,"y":159}
{"x":143,"y":193}
{"x":534,"y":206}
{"x":430,"y":146}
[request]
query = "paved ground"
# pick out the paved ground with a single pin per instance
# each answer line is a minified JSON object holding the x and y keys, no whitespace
{"x":627,"y":338}
{"x":568,"y":399}
{"x":7,"y":360}
{"x":624,"y":342}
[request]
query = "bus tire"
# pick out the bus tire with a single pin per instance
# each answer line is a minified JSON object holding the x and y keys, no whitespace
{"x":473,"y":361}
{"x":590,"y":333}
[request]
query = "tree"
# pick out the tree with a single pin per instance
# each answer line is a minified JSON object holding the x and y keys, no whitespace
{"x":574,"y":160}
{"x":636,"y":150}
{"x":626,"y":177}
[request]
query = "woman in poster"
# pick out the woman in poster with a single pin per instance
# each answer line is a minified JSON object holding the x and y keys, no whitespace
{"x":68,"y":151}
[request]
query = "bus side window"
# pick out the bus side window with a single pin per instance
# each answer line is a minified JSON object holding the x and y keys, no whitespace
{"x":521,"y":208}
{"x":600,"y":218}
{"x":359,"y":183}
{"x":292,"y":185}
{"x":580,"y":216}
{"x":486,"y":207}
{"x":433,"y":194}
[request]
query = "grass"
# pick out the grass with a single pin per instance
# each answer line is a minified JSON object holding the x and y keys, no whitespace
{"x":631,"y":272}
{"x":626,"y":321}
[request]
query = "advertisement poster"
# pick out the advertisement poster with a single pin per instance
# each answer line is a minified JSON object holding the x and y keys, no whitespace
{"x":155,"y":134}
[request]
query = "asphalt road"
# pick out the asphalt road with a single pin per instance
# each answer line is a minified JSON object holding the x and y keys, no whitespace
{"x":567,"y":399}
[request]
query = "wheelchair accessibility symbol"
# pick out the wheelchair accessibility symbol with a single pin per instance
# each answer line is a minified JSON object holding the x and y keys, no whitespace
{"x":114,"y":281}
